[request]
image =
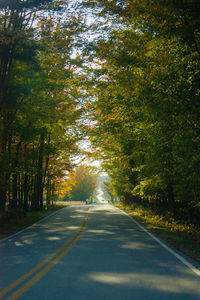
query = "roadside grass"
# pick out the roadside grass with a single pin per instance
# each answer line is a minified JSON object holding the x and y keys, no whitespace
{"x":184,"y":237}
{"x":21,"y":221}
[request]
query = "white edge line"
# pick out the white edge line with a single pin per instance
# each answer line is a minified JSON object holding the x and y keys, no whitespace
{"x":32,"y":225}
{"x":179,"y":257}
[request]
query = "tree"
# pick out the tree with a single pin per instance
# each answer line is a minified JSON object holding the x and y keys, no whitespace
{"x":39,"y":101}
{"x":17,"y":45}
{"x":85,"y":183}
{"x":147,"y":102}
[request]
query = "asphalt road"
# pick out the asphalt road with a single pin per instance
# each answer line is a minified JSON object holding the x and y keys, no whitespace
{"x":92,"y":253}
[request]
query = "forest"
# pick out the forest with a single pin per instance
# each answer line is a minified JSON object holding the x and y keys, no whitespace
{"x":123,"y":74}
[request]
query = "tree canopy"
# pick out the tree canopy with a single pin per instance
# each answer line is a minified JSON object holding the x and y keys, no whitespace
{"x":40,"y":97}
{"x":83,"y":186}
{"x":132,"y":67}
{"x":147,"y":107}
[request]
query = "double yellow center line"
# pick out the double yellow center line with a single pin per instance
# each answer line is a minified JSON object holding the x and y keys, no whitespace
{"x":50,"y":261}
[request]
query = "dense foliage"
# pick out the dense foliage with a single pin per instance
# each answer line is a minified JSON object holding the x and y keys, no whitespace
{"x":137,"y":76}
{"x":84,"y":185}
{"x":148,"y":102}
{"x":39,"y":99}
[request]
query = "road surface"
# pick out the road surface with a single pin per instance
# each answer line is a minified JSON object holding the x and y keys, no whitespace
{"x":93,"y":252}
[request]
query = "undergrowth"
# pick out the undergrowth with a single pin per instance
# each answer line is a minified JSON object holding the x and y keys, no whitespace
{"x":185,"y":237}
{"x":19,"y":221}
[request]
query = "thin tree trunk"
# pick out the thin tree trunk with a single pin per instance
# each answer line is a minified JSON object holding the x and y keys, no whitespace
{"x":25,"y":202}
{"x":38,"y":201}
{"x":48,"y":194}
{"x":25,"y":181}
{"x":14,"y":193}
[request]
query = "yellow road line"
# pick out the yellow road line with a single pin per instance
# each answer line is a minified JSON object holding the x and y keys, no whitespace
{"x":40,"y":274}
{"x":32,"y":271}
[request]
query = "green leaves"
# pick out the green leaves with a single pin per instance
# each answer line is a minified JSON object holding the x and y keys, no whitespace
{"x":40,"y":95}
{"x":147,"y":104}
{"x":84,"y":186}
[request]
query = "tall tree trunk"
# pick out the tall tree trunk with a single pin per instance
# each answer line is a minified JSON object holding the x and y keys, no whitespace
{"x":20,"y":191}
{"x":47,"y":161}
{"x":16,"y":180}
{"x":48,"y":189}
{"x":2,"y":199}
{"x":3,"y":160}
{"x":25,"y":200}
{"x":14,"y":192}
{"x":25,"y":180}
{"x":38,"y":201}
{"x":52,"y":192}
